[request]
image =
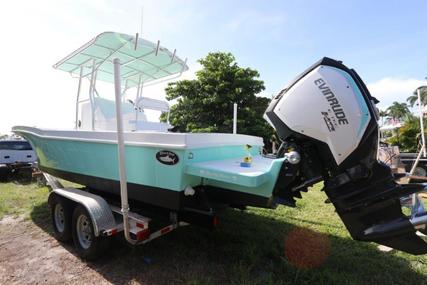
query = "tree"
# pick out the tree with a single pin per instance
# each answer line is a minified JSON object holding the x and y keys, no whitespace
{"x":408,"y":136}
{"x":205,"y":104}
{"x":383,"y":113}
{"x":413,"y":99}
{"x":398,"y":111}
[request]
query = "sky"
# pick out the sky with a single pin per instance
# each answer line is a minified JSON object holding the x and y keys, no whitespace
{"x":384,"y":41}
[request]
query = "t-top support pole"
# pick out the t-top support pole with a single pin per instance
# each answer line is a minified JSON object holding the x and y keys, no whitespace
{"x":423,"y":140}
{"x":234,"y":118}
{"x":138,"y":95}
{"x":91,"y":88}
{"x":78,"y":97}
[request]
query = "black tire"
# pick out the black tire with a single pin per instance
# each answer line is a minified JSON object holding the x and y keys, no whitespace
{"x":87,"y":245}
{"x":420,"y":171}
{"x":61,"y":212}
{"x":4,"y":174}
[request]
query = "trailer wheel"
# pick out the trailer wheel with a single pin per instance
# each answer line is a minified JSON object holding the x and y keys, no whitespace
{"x":61,"y":219}
{"x":88,"y":245}
{"x":420,"y":171}
{"x":4,"y":174}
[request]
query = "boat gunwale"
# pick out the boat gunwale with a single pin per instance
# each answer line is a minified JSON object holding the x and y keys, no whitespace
{"x":184,"y":145}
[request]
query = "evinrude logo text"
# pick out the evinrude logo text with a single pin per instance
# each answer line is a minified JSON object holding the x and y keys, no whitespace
{"x":333,"y":101}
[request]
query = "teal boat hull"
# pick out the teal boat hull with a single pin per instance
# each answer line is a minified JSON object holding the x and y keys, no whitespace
{"x":94,"y":164}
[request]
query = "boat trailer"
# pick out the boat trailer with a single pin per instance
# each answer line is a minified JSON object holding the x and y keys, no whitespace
{"x":98,"y":220}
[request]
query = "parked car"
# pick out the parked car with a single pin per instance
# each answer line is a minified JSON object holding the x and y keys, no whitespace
{"x":16,"y":155}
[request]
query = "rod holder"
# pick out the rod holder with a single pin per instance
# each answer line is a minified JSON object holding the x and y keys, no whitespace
{"x":136,"y":41}
{"x":157,"y":48}
{"x":173,"y":56}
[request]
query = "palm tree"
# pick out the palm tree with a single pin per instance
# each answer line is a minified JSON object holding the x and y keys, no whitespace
{"x":383,"y":114}
{"x":413,"y":99}
{"x":398,"y":111}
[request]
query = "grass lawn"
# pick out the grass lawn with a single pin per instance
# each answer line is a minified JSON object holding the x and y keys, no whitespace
{"x":18,"y":199}
{"x":247,"y":248}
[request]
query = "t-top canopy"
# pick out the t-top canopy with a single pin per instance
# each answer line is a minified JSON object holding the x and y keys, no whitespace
{"x":143,"y":62}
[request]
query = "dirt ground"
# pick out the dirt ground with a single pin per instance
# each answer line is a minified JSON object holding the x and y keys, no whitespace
{"x":29,"y":255}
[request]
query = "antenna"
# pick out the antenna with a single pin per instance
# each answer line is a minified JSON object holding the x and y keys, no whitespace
{"x":142,"y":19}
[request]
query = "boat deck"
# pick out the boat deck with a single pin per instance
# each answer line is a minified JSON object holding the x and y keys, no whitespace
{"x":229,"y":170}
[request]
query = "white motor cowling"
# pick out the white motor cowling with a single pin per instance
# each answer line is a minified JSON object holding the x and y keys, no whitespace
{"x":326,"y":105}
{"x":328,"y":117}
{"x":331,"y":107}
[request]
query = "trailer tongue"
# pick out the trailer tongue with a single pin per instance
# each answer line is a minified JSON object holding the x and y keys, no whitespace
{"x":328,"y":115}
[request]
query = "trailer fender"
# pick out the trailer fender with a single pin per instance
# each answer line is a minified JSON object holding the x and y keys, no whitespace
{"x":98,"y":209}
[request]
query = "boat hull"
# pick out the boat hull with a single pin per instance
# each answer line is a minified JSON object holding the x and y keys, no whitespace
{"x":92,"y":162}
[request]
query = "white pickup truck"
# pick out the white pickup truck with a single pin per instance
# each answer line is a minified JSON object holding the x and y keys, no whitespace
{"x":15,"y":154}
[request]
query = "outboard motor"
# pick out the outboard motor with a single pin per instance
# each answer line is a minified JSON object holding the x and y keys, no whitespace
{"x":327,"y":119}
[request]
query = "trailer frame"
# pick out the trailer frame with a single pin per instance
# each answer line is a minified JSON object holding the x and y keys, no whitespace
{"x":106,"y":218}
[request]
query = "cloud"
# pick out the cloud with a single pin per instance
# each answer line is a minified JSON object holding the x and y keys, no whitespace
{"x":390,"y":89}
